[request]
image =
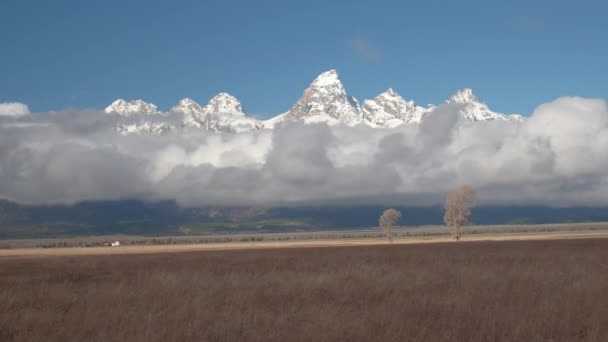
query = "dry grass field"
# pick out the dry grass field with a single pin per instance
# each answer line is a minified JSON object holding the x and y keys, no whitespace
{"x":551,"y":290}
{"x":131,"y":245}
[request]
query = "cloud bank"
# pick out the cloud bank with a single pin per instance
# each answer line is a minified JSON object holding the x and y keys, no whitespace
{"x":13,"y":109}
{"x":558,"y":157}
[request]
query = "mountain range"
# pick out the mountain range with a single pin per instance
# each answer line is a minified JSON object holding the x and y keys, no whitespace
{"x":325,"y":100}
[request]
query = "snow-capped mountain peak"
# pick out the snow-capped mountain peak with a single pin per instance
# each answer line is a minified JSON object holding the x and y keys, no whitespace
{"x":126,"y":108}
{"x":390,"y":92}
{"x":187,"y":106}
{"x":325,"y":100}
{"x":389,"y":109}
{"x":224,"y":103}
{"x":475,"y":110}
{"x":223,"y":113}
{"x":327,"y":78}
{"x":463,"y":96}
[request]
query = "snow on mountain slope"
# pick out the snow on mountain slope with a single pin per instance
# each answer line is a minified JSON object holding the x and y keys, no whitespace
{"x":475,"y":110}
{"x":145,"y":128}
{"x":223,"y":113}
{"x":187,"y":106}
{"x":190,"y":111}
{"x":389,"y":109}
{"x":275,"y":120}
{"x":325,"y":100}
{"x":124,"y":108}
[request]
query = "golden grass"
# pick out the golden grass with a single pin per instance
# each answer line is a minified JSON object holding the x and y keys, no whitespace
{"x":549,"y":290}
{"x":153,"y":249}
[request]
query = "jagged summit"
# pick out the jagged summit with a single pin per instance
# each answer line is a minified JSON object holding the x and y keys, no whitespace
{"x":463,"y":96}
{"x":186,"y":102}
{"x":223,"y":113}
{"x":475,"y":110}
{"x":126,"y":108}
{"x":224,"y":103}
{"x":390,"y":92}
{"x":324,"y":100}
{"x":327,"y":78}
{"x":389,"y":109}
{"x":187,"y":106}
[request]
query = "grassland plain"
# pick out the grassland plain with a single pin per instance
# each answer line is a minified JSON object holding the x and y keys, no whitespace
{"x":550,"y":290}
{"x":401,"y":234}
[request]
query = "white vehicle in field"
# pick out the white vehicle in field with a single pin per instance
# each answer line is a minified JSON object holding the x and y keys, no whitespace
{"x":115,"y":244}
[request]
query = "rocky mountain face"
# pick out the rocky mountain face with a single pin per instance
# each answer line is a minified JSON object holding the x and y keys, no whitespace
{"x":389,"y":109}
{"x":145,"y":127}
{"x":475,"y":110}
{"x":187,"y":107}
{"x":136,"y":115}
{"x":223,"y":113}
{"x":126,"y":108}
{"x":325,"y":100}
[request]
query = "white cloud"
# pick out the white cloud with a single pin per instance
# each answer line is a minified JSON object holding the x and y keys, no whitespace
{"x":559,"y":156}
{"x":13,"y":109}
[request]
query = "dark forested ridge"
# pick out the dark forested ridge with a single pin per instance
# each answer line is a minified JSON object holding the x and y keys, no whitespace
{"x":167,"y":218}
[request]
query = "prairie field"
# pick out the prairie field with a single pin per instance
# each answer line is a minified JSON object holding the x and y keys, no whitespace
{"x":550,"y":290}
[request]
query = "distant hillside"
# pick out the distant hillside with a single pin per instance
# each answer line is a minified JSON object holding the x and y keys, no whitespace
{"x":167,"y":218}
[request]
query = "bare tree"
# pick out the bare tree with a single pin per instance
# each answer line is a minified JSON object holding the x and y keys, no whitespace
{"x":458,"y":205}
{"x":387,"y":221}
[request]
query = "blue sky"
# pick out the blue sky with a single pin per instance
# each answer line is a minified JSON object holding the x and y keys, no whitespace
{"x":514,"y":54}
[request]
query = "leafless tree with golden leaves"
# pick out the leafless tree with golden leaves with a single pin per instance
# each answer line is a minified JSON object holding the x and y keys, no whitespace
{"x":458,"y":205}
{"x":388,"y":219}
